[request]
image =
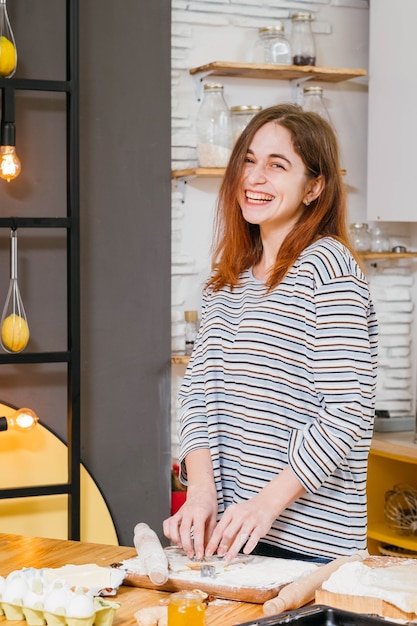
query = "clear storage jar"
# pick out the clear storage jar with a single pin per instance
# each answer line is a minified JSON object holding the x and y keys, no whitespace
{"x":214,"y":128}
{"x":379,"y":241}
{"x":303,"y":45}
{"x":272,"y":46}
{"x":241,"y":116}
{"x":313,"y":101}
{"x":360,"y":237}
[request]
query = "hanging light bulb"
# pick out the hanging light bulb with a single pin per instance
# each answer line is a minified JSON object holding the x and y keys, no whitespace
{"x":10,"y":165}
{"x":22,"y":420}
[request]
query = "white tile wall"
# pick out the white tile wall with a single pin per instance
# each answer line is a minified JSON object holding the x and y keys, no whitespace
{"x":392,"y":288}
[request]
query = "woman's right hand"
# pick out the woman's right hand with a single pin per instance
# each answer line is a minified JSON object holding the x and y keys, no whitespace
{"x":192,"y":525}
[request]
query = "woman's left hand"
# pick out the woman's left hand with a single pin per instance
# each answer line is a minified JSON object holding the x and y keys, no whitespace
{"x":241,"y":526}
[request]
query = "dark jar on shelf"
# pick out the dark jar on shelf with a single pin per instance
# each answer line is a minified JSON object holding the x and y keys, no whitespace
{"x":303,"y":45}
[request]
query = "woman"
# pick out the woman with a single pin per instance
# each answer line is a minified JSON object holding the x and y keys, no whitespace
{"x":277,"y":403}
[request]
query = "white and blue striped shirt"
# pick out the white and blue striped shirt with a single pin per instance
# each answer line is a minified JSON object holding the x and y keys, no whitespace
{"x":288,"y":377}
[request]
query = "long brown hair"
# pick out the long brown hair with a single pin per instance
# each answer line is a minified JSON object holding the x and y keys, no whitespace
{"x":237,"y":244}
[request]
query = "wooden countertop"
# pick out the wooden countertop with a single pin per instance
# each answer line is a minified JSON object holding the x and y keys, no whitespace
{"x":18,"y":551}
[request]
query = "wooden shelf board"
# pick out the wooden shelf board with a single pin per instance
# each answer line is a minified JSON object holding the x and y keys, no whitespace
{"x":180,"y":359}
{"x":388,"y":255}
{"x":207,"y":172}
{"x":381,"y":532}
{"x":286,"y":72}
{"x":211,"y":172}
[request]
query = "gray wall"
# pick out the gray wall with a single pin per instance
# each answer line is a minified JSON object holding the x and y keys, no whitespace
{"x":125,"y":243}
{"x":125,"y":174}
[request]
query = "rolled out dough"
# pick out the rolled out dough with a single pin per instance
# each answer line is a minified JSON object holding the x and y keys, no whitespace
{"x":396,"y":584}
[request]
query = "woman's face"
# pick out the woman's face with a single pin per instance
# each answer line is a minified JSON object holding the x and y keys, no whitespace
{"x":274,"y":182}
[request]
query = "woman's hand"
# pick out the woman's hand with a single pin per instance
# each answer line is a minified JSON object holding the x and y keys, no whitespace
{"x":194,"y":523}
{"x":191,"y":527}
{"x":241,"y":526}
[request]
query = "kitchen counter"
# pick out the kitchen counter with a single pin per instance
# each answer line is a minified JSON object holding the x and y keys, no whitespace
{"x":399,"y":445}
{"x":18,"y":551}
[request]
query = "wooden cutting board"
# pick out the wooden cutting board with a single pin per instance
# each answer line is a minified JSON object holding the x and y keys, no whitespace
{"x":209,"y":586}
{"x":364,"y":604}
{"x":237,"y":586}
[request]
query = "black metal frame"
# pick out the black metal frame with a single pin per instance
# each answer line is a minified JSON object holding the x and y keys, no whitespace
{"x":72,"y":224}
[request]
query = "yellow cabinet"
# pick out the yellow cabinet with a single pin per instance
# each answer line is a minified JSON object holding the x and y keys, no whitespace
{"x":392,"y":460}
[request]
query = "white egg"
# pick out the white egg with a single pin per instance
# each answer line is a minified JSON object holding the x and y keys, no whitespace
{"x":81,"y":605}
{"x":57,"y":597}
{"x":34,"y":597}
{"x":15,"y":588}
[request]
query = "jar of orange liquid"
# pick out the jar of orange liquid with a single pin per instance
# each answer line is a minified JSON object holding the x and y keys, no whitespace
{"x":186,"y":608}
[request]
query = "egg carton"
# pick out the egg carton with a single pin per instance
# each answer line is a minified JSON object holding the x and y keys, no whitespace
{"x":103,"y":615}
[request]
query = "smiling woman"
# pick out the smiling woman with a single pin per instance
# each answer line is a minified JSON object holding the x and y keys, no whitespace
{"x":277,"y":403}
{"x":40,"y":458}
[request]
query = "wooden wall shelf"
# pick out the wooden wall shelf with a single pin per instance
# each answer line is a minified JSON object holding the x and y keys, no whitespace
{"x":204,"y":172}
{"x":180,"y":359}
{"x":369,"y":256}
{"x":277,"y":72}
{"x":207,"y":172}
{"x":273,"y":72}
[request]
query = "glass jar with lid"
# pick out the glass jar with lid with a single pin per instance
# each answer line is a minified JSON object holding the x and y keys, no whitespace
{"x":272,"y":46}
{"x":360,"y":237}
{"x":214,"y":128}
{"x":313,"y":101}
{"x":303,"y":45}
{"x":379,"y":241}
{"x":241,"y":116}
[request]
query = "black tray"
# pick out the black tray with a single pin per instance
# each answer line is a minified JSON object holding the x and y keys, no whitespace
{"x":320,"y":615}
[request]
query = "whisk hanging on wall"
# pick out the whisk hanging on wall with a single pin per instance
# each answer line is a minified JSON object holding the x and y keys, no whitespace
{"x":14,"y":324}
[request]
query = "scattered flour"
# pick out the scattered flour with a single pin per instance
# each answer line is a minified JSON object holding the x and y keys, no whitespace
{"x":254,"y":572}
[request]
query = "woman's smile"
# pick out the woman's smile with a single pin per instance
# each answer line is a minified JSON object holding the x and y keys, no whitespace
{"x":258,"y":198}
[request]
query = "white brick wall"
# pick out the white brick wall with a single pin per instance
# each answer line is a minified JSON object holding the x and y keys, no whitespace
{"x":226,"y":30}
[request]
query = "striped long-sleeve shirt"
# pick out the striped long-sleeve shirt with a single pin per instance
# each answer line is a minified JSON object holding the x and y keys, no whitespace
{"x":288,"y":378}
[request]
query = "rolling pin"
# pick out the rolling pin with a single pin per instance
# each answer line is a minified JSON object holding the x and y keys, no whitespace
{"x":151,"y":554}
{"x":301,"y":591}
